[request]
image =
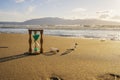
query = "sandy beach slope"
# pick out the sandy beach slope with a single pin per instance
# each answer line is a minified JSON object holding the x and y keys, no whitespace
{"x":92,"y":59}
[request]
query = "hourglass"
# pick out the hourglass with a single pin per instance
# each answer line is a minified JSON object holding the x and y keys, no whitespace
{"x":35,"y":46}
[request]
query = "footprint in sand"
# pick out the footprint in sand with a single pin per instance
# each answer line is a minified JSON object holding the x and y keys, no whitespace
{"x":55,"y":78}
{"x":109,"y":76}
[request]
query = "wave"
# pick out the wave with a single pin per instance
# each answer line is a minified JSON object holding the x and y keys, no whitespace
{"x":91,"y":34}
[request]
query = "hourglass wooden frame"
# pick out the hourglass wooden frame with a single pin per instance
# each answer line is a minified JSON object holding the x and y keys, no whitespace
{"x":30,"y":40}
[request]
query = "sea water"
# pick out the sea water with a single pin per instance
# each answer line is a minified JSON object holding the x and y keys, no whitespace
{"x":100,"y":34}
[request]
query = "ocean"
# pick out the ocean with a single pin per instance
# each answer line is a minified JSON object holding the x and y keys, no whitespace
{"x":91,"y":34}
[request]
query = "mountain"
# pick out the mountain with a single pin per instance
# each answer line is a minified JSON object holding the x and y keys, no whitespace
{"x":11,"y":23}
{"x":60,"y":21}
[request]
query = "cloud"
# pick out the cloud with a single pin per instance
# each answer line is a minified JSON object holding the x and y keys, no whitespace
{"x":31,"y":9}
{"x":78,"y":10}
{"x":106,"y":14}
{"x":10,"y":16}
{"x":116,"y":17}
{"x":18,"y":16}
{"x":19,"y":1}
{"x":103,"y":12}
{"x":51,"y":1}
{"x":15,"y":15}
{"x":31,"y":0}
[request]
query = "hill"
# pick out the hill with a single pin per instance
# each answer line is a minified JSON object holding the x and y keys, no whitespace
{"x":60,"y":21}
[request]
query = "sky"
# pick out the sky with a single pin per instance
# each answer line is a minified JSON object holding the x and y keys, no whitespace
{"x":22,"y":10}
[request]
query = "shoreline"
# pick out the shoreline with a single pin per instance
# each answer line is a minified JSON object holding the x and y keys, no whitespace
{"x":61,"y":28}
{"x":71,"y":36}
{"x":90,"y":34}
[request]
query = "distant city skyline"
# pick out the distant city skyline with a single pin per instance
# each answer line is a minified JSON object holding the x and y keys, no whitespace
{"x":21,"y":10}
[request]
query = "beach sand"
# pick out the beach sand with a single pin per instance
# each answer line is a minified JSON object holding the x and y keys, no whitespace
{"x":92,"y":59}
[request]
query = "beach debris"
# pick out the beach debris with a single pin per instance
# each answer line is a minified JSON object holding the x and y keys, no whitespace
{"x":52,"y":51}
{"x":113,"y":39}
{"x":75,"y":45}
{"x":109,"y":76}
{"x":102,"y":40}
{"x":70,"y":49}
{"x":55,"y":50}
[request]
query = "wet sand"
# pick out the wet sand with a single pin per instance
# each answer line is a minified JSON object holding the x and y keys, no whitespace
{"x":92,"y":59}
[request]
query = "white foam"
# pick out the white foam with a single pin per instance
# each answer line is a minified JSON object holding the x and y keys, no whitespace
{"x":90,"y":34}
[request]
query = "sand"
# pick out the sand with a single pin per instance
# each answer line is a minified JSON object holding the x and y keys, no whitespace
{"x":92,"y":59}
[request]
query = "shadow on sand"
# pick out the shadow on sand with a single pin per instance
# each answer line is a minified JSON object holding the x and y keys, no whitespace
{"x":3,"y":47}
{"x":9,"y":58}
{"x":14,"y":57}
{"x":50,"y":53}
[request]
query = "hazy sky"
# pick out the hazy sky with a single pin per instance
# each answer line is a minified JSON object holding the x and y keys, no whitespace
{"x":21,"y":10}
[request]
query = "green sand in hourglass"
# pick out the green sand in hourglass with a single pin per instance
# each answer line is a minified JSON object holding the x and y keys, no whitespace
{"x":35,"y":46}
{"x":36,"y":36}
